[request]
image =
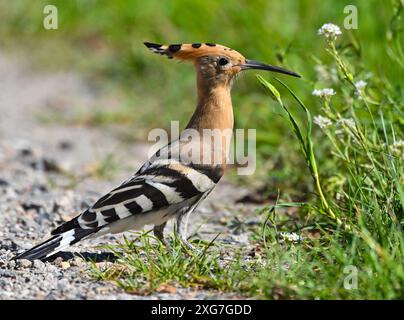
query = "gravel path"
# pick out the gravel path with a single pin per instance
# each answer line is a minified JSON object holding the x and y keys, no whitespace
{"x":36,"y":195}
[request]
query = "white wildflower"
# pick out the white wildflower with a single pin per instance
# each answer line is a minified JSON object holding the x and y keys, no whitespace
{"x":290,"y":237}
{"x":359,"y":85}
{"x":322,"y":122}
{"x":330,"y":31}
{"x":397,"y":148}
{"x":399,"y":144}
{"x":349,"y":122}
{"x":323,"y":93}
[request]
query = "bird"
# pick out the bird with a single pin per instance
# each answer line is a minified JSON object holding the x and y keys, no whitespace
{"x":180,"y":175}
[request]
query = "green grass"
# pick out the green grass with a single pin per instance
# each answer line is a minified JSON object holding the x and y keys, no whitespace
{"x":346,"y":181}
{"x":145,"y":265}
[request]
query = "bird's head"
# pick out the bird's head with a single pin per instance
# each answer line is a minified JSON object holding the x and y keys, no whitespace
{"x":214,"y":63}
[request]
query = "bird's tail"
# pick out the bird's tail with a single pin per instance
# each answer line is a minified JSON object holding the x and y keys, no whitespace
{"x":55,"y":244}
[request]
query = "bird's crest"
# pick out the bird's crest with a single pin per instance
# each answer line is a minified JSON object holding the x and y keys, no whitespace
{"x":193,"y":51}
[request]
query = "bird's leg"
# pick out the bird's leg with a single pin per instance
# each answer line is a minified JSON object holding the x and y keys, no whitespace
{"x":182,"y":229}
{"x":159,"y":234}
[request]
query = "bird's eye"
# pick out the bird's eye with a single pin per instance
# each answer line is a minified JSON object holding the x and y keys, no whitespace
{"x":223,"y":61}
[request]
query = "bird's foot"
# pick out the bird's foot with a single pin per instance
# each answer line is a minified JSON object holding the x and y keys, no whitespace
{"x":159,"y":234}
{"x":187,"y":244}
{"x":182,"y":231}
{"x":190,"y":249}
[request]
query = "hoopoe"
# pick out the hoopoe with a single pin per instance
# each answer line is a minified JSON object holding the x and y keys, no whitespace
{"x":173,"y":181}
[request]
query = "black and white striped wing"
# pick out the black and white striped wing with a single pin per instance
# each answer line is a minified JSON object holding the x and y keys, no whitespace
{"x":160,"y":184}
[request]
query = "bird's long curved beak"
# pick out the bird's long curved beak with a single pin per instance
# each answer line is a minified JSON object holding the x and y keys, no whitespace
{"x":251,"y":64}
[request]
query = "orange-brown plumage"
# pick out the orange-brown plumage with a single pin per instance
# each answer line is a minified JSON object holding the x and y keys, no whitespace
{"x":196,"y":50}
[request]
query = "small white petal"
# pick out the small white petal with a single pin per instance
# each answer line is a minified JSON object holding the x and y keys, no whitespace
{"x":290,"y":237}
{"x":322,"y":122}
{"x":347,"y":122}
{"x":359,"y":85}
{"x":323,"y":93}
{"x":330,"y":30}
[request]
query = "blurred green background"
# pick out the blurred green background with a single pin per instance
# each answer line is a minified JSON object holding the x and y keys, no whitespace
{"x":103,"y":40}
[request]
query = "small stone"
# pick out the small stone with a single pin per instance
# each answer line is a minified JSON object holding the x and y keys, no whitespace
{"x":77,"y":262}
{"x":65,"y":145}
{"x":50,"y":165}
{"x":25,"y":151}
{"x":65,"y":265}
{"x":50,"y":268}
{"x":242,"y":238}
{"x":104,"y":265}
{"x":38,"y":264}
{"x":24,"y":263}
{"x":166,"y":288}
{"x":11,"y":264}
{"x":62,"y":283}
{"x":7,"y":274}
{"x":28,"y":206}
{"x":58,"y":261}
{"x":102,"y":290}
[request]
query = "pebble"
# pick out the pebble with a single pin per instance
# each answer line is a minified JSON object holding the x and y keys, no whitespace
{"x":62,"y":284}
{"x":77,"y":262}
{"x":24,"y":263}
{"x":7,"y":273}
{"x":11,"y":264}
{"x":58,"y":261}
{"x":50,"y":268}
{"x":38,"y":264}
